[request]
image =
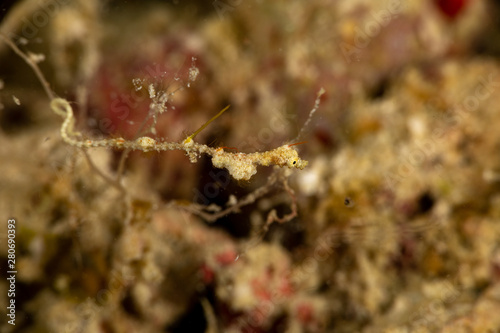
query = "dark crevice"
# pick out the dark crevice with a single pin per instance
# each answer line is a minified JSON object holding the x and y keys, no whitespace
{"x":192,"y":321}
{"x":15,"y":119}
{"x":488,"y":41}
{"x":425,"y":203}
{"x":380,"y":89}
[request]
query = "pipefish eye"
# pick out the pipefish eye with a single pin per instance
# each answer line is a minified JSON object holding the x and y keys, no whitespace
{"x":292,"y":163}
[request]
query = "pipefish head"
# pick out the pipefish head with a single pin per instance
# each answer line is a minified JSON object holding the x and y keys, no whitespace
{"x":288,"y":156}
{"x":296,"y":161}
